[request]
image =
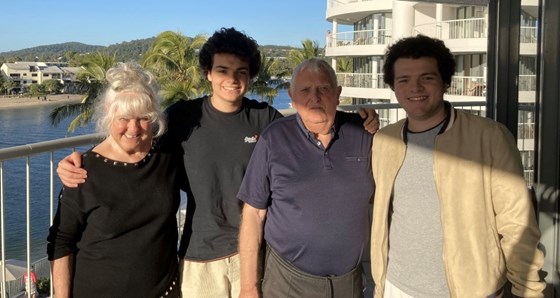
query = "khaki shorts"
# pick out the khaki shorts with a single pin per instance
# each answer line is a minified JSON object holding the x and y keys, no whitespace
{"x":215,"y":278}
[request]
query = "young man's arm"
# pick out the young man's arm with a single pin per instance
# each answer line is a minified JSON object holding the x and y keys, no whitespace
{"x":62,"y":276}
{"x":250,"y":241}
{"x":70,"y":172}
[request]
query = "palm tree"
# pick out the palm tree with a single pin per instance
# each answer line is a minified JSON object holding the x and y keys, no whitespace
{"x":91,"y":80}
{"x":344,"y":64}
{"x":269,"y":80}
{"x":173,"y":58}
{"x":310,"y":50}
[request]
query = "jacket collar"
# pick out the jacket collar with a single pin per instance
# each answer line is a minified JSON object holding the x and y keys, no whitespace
{"x":447,"y":122}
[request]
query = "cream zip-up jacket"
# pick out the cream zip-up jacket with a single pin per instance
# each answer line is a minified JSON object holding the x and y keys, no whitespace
{"x":489,"y":227}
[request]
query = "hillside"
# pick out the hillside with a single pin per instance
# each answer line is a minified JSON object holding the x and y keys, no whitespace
{"x":124,"y":51}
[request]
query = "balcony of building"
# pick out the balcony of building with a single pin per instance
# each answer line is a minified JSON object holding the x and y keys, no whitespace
{"x":465,"y":35}
{"x":528,"y":41}
{"x":358,"y":43}
{"x":348,"y":12}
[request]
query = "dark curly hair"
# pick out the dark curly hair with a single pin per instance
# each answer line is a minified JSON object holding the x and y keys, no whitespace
{"x":230,"y":41}
{"x":416,"y":47}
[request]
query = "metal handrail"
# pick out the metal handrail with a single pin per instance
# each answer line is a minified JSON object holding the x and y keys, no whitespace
{"x":48,"y":146}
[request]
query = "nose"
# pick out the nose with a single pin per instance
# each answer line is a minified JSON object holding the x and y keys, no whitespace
{"x":133,"y":124}
{"x":316,"y":94}
{"x":417,"y":85}
{"x":233,"y":76}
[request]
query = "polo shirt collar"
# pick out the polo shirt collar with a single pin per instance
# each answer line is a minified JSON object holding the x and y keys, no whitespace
{"x":310,"y":135}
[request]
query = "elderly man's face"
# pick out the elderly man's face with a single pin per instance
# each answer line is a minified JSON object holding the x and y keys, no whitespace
{"x":314,"y":97}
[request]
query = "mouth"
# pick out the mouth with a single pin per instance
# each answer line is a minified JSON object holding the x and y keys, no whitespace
{"x":418,"y":98}
{"x":131,"y":136}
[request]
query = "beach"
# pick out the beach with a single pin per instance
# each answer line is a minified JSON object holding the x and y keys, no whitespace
{"x":17,"y":102}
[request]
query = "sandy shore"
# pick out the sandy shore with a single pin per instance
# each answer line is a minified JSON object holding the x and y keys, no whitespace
{"x":15,"y":102}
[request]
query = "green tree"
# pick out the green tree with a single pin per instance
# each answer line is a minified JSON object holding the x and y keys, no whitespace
{"x":310,"y":50}
{"x":91,"y":80}
{"x":2,"y":80}
{"x":269,"y":80}
{"x":173,"y":59}
{"x":36,"y":89}
{"x":52,"y":86}
{"x":9,"y":85}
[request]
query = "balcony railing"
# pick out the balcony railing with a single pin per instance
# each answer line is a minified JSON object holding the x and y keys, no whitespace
{"x":460,"y":85}
{"x":527,"y":82}
{"x":361,"y":80}
{"x":454,"y":29}
{"x":25,"y":152}
{"x":467,"y":86}
{"x":55,"y":149}
{"x":528,"y":34}
{"x":359,"y":38}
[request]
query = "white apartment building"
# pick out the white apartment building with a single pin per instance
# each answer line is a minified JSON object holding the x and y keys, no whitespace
{"x":362,"y":30}
{"x":26,"y":73}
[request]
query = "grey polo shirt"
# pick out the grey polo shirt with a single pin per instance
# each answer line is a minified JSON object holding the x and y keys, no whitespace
{"x":317,"y":198}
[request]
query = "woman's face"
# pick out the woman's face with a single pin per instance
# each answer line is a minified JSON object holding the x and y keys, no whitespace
{"x":132,"y":134}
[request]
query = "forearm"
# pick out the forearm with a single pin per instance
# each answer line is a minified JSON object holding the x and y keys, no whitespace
{"x":250,"y":241}
{"x":62,"y":276}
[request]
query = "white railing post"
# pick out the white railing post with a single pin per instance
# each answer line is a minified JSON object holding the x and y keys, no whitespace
{"x":51,"y":213}
{"x":2,"y":224}
{"x":28,"y":221}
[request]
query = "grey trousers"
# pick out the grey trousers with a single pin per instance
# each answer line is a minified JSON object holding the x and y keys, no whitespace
{"x":284,"y":280}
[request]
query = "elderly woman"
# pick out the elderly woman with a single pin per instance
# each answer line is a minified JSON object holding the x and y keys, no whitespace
{"x":116,"y":234}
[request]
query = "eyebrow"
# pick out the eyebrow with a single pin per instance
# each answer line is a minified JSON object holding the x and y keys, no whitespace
{"x":421,"y":75}
{"x":225,"y":67}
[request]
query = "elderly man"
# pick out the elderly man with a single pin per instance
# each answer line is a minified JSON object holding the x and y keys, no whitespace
{"x":310,"y":177}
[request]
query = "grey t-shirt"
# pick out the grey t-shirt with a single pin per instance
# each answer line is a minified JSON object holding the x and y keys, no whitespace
{"x":415,"y":264}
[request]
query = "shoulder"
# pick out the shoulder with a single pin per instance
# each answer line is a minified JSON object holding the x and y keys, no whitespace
{"x":480,"y":125}
{"x":183,"y":115}
{"x":389,"y":136}
{"x":254,"y":104}
{"x":392,"y":130}
{"x":257,"y":106}
{"x":262,"y":111}
{"x":89,"y":158}
{"x":183,"y":106}
{"x":281,"y":125}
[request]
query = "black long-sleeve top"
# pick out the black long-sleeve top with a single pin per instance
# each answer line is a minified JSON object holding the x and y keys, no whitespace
{"x":121,"y":226}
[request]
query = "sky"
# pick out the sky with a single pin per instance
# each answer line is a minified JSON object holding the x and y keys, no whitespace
{"x":32,"y":23}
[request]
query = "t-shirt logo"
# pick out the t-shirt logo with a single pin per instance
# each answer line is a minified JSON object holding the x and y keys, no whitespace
{"x":252,"y":139}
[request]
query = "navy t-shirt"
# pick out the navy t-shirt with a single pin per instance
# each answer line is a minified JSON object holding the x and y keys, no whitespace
{"x":317,"y":199}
